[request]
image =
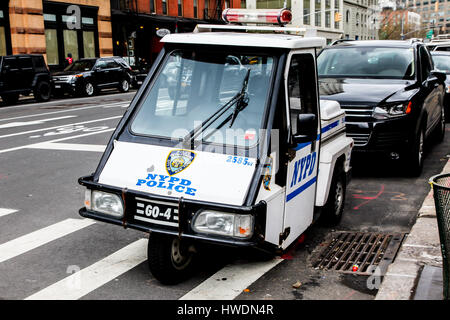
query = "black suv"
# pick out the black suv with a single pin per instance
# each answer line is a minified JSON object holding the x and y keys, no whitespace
{"x":88,"y":76}
{"x":24,"y":74}
{"x":391,"y":94}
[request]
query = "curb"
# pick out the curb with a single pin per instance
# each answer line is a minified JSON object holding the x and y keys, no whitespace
{"x":421,"y":247}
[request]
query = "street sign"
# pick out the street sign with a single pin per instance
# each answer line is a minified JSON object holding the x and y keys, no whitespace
{"x":429,"y":34}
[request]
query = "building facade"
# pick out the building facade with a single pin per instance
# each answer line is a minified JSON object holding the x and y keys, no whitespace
{"x":361,"y":19}
{"x":139,"y":25}
{"x":56,"y":28}
{"x":435,"y":14}
{"x":311,"y":14}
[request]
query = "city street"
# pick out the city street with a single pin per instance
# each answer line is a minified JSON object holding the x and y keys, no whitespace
{"x":47,"y":251}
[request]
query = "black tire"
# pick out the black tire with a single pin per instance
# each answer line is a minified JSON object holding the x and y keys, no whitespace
{"x":334,"y":207}
{"x":10,"y":98}
{"x":88,"y":89}
{"x":124,"y":86}
{"x":440,"y":128}
{"x":170,"y":259}
{"x":413,"y":159}
{"x":43,"y":91}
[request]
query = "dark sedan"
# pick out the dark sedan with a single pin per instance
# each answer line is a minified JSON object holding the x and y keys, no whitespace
{"x":86,"y":77}
{"x":441,"y":60}
{"x":391,"y":93}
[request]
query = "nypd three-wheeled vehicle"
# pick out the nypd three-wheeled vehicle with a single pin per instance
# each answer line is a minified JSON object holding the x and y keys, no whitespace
{"x":225,"y":143}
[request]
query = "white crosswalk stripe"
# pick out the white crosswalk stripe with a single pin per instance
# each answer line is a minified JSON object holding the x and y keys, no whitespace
{"x":5,"y":212}
{"x":18,"y":246}
{"x":87,"y":280}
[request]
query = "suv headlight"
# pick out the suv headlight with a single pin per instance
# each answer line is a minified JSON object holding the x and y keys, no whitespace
{"x":392,"y":110}
{"x":103,"y":202}
{"x":226,"y":224}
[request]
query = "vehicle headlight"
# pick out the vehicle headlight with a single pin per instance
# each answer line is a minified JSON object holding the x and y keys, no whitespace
{"x":103,"y":202}
{"x":392,"y":110}
{"x":227,"y":224}
{"x":447,"y":88}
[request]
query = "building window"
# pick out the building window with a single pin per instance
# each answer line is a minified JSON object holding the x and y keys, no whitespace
{"x":306,"y":12}
{"x":206,"y":10}
{"x":318,"y":13}
{"x":164,"y":6}
{"x":152,"y":6}
{"x":271,"y":4}
{"x":336,"y":7}
{"x":195,"y":9}
{"x":180,"y":8}
{"x":347,"y":16}
{"x":5,"y":39}
{"x":328,"y":19}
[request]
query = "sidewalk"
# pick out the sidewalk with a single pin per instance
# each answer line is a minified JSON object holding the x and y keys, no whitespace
{"x":416,"y":273}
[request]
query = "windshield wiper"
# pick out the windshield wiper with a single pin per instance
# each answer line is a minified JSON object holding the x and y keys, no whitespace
{"x":240,"y":100}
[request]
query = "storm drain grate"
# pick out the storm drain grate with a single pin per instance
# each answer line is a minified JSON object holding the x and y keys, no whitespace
{"x":367,"y":250}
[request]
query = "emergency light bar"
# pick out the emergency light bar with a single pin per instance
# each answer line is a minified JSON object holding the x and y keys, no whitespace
{"x":272,"y":16}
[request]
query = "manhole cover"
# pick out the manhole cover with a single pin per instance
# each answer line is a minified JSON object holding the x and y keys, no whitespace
{"x":366,"y":250}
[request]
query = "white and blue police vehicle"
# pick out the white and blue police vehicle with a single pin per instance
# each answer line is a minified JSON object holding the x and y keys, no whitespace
{"x":241,"y":154}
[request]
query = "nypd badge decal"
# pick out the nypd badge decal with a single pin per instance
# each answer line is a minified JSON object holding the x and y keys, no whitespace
{"x":178,"y":160}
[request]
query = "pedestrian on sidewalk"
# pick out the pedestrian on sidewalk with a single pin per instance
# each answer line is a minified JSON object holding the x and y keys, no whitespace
{"x":69,"y":60}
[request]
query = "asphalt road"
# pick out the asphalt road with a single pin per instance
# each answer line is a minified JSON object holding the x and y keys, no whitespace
{"x":48,"y":251}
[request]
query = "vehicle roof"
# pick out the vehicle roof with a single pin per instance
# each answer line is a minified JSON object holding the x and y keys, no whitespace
{"x":376,"y":43}
{"x":268,"y":40}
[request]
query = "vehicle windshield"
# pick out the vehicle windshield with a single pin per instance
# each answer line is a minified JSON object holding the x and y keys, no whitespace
{"x":367,"y":62}
{"x":81,"y":65}
{"x":442,"y":62}
{"x":194,"y":85}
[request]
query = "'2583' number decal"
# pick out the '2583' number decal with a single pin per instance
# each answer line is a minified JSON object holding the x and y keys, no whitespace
{"x":239,"y":160}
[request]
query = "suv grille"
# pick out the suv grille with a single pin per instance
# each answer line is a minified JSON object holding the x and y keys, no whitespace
{"x":358,"y":111}
{"x":62,"y":79}
{"x":360,"y":139}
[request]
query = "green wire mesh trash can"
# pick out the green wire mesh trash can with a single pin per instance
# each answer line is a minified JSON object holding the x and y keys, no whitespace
{"x":441,"y":192}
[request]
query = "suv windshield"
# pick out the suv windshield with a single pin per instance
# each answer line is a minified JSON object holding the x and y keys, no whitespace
{"x":442,"y":63}
{"x":81,"y":65}
{"x":193,"y":85}
{"x":367,"y":62}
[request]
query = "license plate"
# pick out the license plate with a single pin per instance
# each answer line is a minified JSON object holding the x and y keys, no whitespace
{"x":156,"y":212}
{"x":57,"y":86}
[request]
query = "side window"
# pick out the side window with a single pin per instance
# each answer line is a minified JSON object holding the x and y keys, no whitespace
{"x":25,"y":63}
{"x":110,"y":64}
{"x":425,"y":63}
{"x":10,"y":64}
{"x":302,"y":91}
{"x":101,"y":64}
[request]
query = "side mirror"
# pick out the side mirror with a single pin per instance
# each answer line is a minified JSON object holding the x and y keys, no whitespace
{"x":306,"y":128}
{"x":441,"y":76}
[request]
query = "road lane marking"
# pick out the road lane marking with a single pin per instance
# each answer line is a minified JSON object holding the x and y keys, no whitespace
{"x":69,"y":146}
{"x":61,"y":111}
{"x":32,"y":123}
{"x":96,"y":275}
{"x":239,"y":276}
{"x":5,"y":212}
{"x":56,"y":140}
{"x":30,"y":241}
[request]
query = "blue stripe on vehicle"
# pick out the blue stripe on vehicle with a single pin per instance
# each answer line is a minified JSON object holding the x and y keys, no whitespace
{"x":330,"y":126}
{"x":303,"y":145}
{"x":300,"y":189}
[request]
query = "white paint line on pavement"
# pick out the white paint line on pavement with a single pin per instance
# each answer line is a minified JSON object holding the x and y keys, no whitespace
{"x":87,"y":280}
{"x":5,"y":212}
{"x":239,"y":276}
{"x":69,"y":146}
{"x":32,"y":123}
{"x":58,"y":127}
{"x":62,"y":111}
{"x":18,"y":246}
{"x":56,"y":140}
{"x":417,"y":246}
{"x":400,"y":275}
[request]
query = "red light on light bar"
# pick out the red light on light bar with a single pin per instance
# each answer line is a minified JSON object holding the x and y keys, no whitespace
{"x":272,"y":16}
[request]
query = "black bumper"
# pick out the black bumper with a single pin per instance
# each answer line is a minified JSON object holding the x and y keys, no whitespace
{"x":60,"y":88}
{"x":186,"y":212}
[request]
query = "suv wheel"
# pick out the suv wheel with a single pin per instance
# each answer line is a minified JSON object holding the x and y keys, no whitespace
{"x":10,"y":98}
{"x":42,"y":91}
{"x":88,"y":89}
{"x":334,"y":207}
{"x":414,"y":158}
{"x":440,"y":129}
{"x":124,"y":86}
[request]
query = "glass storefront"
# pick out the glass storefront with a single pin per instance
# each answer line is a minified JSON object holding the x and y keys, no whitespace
{"x":65,"y":35}
{"x":271,"y":4}
{"x":5,"y":42}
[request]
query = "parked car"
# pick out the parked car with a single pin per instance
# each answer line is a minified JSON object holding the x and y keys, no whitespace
{"x":24,"y":74}
{"x":86,"y":77}
{"x":441,"y":60}
{"x":391,"y":93}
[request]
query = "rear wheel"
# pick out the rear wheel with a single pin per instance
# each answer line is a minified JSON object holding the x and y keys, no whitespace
{"x":170,"y":259}
{"x":43,"y":91}
{"x":10,"y":98}
{"x":124,"y":86}
{"x":334,"y":207}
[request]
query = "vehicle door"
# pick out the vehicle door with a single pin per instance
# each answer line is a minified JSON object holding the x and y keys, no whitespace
{"x":101,"y":73}
{"x":113,"y":73}
{"x":430,"y":87}
{"x":25,"y":65}
{"x":11,"y":73}
{"x":301,"y":99}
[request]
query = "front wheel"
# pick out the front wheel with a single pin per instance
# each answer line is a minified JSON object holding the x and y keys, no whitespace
{"x":334,"y":207}
{"x":124,"y":86}
{"x":170,"y":259}
{"x":440,"y":129}
{"x":88,"y":89}
{"x":414,"y":158}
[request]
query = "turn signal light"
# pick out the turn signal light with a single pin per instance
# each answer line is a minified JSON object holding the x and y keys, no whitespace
{"x":408,"y":108}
